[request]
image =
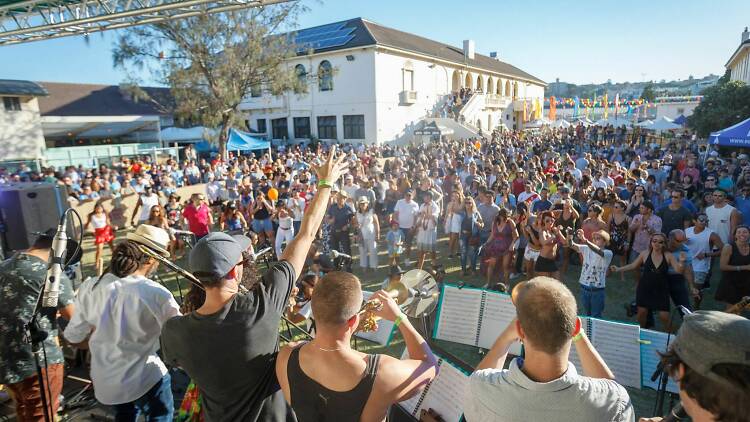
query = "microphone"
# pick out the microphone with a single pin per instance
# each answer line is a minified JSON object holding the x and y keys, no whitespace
{"x":337,"y":254}
{"x":683,"y":310}
{"x":55,"y":269}
{"x":676,"y":414}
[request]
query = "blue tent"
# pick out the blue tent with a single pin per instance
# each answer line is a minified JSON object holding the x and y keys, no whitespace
{"x":733,"y":136}
{"x":680,"y":120}
{"x":243,"y":141}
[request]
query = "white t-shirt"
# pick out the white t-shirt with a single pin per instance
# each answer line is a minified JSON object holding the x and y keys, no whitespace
{"x":697,"y":243}
{"x":407,"y":211}
{"x":594,"y":269}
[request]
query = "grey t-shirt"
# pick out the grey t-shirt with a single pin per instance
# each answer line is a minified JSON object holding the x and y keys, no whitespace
{"x":488,"y":213}
{"x":508,"y":395}
{"x":231,"y":355}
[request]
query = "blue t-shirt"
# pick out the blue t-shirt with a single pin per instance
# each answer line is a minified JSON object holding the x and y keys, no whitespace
{"x":676,"y":255}
{"x":541,"y":205}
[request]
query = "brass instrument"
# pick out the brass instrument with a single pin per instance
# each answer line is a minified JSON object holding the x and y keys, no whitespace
{"x":194,"y":280}
{"x":416,"y":294}
{"x":740,"y":306}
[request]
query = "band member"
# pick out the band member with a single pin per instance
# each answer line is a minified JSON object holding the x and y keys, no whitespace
{"x":710,"y":359}
{"x":544,"y":385}
{"x":228,"y":346}
{"x":22,"y":277}
{"x":119,"y":318}
{"x":325,"y":380}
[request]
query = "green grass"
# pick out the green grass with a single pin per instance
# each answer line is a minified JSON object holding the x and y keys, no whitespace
{"x":618,"y":293}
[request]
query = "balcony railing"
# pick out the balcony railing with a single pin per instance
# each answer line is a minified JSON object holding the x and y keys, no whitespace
{"x":496,"y":101}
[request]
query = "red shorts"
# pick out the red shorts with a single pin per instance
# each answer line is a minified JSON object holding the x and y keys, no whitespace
{"x":103,"y":235}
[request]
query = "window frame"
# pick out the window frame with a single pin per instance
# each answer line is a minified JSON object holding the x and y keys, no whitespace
{"x":354,"y":130}
{"x":12,"y":103}
{"x":295,"y":127}
{"x":325,"y":76}
{"x":275,"y":127}
{"x":326,"y":130}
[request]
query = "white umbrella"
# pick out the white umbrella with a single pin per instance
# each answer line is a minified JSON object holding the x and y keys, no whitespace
{"x":646,"y":123}
{"x":663,"y":123}
{"x":561,"y":123}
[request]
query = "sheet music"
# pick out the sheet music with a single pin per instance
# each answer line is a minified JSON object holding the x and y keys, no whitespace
{"x":499,"y":311}
{"x":385,"y":328}
{"x":650,"y":358}
{"x":459,"y":315}
{"x":618,"y":345}
{"x":447,"y":392}
{"x":573,"y":357}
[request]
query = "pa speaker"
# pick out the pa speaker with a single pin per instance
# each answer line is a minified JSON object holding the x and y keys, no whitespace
{"x":26,"y":208}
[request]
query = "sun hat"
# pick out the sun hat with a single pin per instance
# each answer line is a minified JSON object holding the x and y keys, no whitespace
{"x":151,"y":237}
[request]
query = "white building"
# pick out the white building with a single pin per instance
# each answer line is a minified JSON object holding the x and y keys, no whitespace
{"x":674,"y":107}
{"x":21,"y":137}
{"x":369,"y":83}
{"x":739,"y":63}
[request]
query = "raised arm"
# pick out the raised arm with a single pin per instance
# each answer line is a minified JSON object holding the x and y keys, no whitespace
{"x":327,"y":173}
{"x":495,"y":357}
{"x":633,"y":265}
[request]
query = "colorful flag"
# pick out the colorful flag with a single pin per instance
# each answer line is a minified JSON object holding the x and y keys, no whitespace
{"x":552,"y":108}
{"x":617,"y":104}
{"x":605,"y":105}
{"x":575,"y":106}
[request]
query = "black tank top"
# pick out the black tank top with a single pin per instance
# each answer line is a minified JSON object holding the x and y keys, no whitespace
{"x":313,"y":402}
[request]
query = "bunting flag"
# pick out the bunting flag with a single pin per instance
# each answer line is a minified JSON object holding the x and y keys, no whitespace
{"x":617,"y":104}
{"x":605,"y":104}
{"x":524,"y":119}
{"x":576,"y":103}
{"x":552,"y":108}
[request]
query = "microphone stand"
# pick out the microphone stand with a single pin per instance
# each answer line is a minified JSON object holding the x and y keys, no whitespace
{"x":35,"y":337}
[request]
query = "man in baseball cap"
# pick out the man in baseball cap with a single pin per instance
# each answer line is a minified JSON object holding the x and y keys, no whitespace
{"x":710,"y":358}
{"x":228,"y":345}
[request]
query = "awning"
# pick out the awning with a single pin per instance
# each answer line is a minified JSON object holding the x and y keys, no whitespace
{"x":243,"y":141}
{"x":433,"y":129}
{"x":141,"y":128}
{"x":733,"y":136}
{"x":192,"y":134}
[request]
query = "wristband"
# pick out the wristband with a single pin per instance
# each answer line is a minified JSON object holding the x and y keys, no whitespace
{"x":397,"y":321}
{"x":323,"y":183}
{"x":578,"y":336}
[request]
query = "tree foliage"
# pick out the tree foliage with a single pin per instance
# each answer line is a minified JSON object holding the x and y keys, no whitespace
{"x":211,"y":61}
{"x":723,"y":105}
{"x":648,"y":92}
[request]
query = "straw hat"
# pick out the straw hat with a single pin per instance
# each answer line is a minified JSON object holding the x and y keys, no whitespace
{"x":151,"y":237}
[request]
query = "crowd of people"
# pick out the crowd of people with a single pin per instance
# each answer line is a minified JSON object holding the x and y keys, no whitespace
{"x":513,"y":205}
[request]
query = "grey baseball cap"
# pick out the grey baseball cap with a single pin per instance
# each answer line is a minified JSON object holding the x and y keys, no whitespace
{"x":710,"y":338}
{"x":216,"y":254}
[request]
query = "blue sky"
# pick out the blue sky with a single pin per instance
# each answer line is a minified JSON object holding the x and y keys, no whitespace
{"x":577,"y":41}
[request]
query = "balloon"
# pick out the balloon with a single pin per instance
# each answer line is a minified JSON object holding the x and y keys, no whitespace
{"x":273,"y":194}
{"x":477,"y":145}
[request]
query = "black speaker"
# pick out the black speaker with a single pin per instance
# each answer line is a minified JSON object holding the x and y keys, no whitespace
{"x":26,"y":208}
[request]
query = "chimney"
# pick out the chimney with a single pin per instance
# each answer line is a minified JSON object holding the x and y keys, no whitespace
{"x":469,"y":49}
{"x":745,"y":37}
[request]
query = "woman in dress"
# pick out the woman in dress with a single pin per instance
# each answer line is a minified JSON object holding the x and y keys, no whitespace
{"x":499,"y":247}
{"x":369,"y":233}
{"x":619,"y":232}
{"x":652,"y":291}
{"x":470,"y":226}
{"x":174,"y":217}
{"x":454,"y":214}
{"x":103,"y":233}
{"x":735,"y":268}
{"x":532,"y":229}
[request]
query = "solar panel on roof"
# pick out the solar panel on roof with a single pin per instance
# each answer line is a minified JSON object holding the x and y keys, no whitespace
{"x":326,"y":36}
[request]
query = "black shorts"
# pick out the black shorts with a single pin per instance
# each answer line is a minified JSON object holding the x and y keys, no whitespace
{"x":545,"y":265}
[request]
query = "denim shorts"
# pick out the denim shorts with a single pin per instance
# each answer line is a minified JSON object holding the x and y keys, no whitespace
{"x":264,"y":225}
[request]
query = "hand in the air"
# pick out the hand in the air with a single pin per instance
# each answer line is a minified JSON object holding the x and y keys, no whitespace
{"x":332,"y":168}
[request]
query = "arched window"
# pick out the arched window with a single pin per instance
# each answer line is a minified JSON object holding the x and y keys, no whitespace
{"x":301,"y":74}
{"x":325,"y":76}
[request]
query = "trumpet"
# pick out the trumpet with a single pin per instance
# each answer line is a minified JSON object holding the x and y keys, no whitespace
{"x":416,"y":294}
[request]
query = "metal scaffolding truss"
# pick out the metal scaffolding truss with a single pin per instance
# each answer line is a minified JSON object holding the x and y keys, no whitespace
{"x":33,"y":20}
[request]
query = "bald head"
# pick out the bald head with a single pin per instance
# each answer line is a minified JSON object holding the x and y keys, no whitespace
{"x":337,"y":297}
{"x":547,"y":314}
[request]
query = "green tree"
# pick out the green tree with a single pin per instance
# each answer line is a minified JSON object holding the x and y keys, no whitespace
{"x":723,"y":105}
{"x":211,"y":62}
{"x":648,"y":92}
